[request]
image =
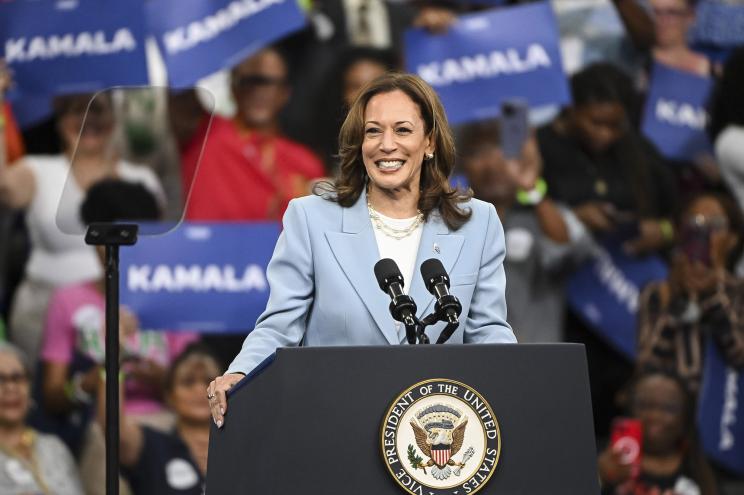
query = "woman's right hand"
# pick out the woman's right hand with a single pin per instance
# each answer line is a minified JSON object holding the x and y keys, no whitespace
{"x":217,"y":395}
{"x":612,"y":471}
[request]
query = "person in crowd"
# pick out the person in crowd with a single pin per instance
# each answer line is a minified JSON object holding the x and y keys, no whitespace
{"x":32,"y":462}
{"x":668,"y":41}
{"x":357,"y":67}
{"x":74,"y":342}
{"x":672,"y":462}
{"x":36,"y":183}
{"x":701,"y":298}
{"x":242,"y":168}
{"x":392,"y":199}
{"x":543,"y":239}
{"x":175,"y":461}
{"x":616,"y":184}
{"x":727,"y":127}
{"x":596,"y":163}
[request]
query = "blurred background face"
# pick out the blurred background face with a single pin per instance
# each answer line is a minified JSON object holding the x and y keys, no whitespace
{"x":94,"y":129}
{"x":259,"y":86}
{"x":659,"y":404}
{"x":190,"y":380}
{"x":357,"y":75}
{"x":705,"y":230}
{"x":599,"y":125}
{"x":14,"y":391}
{"x":672,"y":20}
{"x":485,"y":169}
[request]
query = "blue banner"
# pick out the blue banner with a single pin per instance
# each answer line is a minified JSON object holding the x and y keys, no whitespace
{"x":205,"y":277}
{"x":721,"y":411}
{"x":605,"y":291}
{"x":74,"y":47}
{"x":199,"y":38}
{"x":675,"y":115}
{"x":489,"y":57}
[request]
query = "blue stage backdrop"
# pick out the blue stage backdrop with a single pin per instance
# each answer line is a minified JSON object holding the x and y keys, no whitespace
{"x":200,"y":37}
{"x":491,"y":56}
{"x":675,"y":115}
{"x":721,"y":411}
{"x":205,"y":277}
{"x":605,"y":291}
{"x":84,"y":47}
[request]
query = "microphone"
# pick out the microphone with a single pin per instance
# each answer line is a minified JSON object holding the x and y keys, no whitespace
{"x":447,"y":307}
{"x":402,"y":306}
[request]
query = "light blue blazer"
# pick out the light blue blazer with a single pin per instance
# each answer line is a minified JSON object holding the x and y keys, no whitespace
{"x":323,"y":290}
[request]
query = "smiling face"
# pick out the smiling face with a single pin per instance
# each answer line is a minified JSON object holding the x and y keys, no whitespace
{"x":659,"y":404}
{"x":395,"y":142}
{"x":90,"y":120}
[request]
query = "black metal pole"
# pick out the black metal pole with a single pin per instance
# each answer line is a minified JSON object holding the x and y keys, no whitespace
{"x":112,"y":370}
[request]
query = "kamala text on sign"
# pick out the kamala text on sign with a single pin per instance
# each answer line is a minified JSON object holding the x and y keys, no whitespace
{"x":489,"y":57}
{"x":675,"y":115}
{"x":208,"y":277}
{"x":93,"y":46}
{"x":200,"y":37}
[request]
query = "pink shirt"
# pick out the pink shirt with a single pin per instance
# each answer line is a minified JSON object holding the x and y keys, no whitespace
{"x":75,"y":329}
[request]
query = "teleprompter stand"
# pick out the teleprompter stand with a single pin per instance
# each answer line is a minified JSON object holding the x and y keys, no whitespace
{"x":111,"y":236}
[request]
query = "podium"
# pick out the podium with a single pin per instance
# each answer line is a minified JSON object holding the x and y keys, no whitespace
{"x":312,"y":420}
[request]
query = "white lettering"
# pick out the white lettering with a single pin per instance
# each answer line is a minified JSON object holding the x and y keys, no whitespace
{"x":730,"y":406}
{"x":195,"y":278}
{"x":485,"y":65}
{"x":68,"y":45}
{"x":681,"y":114}
{"x":207,"y":28}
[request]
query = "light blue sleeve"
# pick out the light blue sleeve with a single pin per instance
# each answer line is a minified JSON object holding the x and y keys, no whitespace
{"x":486,"y":322}
{"x":290,"y":275}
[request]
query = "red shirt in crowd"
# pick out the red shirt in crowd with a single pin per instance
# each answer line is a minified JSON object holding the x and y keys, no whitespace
{"x":244,"y":175}
{"x":13,"y":142}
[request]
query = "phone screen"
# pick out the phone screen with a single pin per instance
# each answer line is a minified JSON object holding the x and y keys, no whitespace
{"x":627,"y":438}
{"x":514,"y":127}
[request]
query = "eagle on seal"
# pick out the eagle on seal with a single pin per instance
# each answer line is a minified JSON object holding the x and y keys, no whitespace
{"x":440,"y":432}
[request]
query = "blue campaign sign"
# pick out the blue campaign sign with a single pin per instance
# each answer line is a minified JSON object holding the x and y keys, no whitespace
{"x":721,"y":411}
{"x":80,"y":47}
{"x":200,"y":37}
{"x":605,"y":291}
{"x":675,"y":115}
{"x":205,"y":277}
{"x":491,"y":56}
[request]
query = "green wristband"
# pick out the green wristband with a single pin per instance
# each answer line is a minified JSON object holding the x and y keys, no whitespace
{"x":533,"y":196}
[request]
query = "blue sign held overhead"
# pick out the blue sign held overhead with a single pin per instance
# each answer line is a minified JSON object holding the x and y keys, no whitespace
{"x":605,"y":292}
{"x":84,"y":47}
{"x":675,"y":115}
{"x":206,"y":277}
{"x":199,"y":38}
{"x":721,"y":411}
{"x":491,"y":56}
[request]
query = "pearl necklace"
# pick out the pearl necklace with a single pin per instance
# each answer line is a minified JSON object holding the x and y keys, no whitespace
{"x":390,"y":231}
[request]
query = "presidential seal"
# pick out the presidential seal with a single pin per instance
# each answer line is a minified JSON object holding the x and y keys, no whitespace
{"x":440,"y":437}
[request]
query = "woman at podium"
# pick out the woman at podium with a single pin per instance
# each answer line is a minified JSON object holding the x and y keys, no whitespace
{"x":392,"y":199}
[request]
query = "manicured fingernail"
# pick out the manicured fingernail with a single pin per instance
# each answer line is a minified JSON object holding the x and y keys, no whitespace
{"x":219,"y":423}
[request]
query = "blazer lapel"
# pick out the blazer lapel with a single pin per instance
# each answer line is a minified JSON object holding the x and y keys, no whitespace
{"x":355,"y":250}
{"x":436,"y":242}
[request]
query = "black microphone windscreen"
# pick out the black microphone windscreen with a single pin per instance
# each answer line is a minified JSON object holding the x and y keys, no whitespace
{"x":385,"y":270}
{"x":432,"y":269}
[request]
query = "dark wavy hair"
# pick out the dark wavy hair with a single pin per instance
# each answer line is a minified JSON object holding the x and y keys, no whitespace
{"x":727,"y":101}
{"x":436,"y":192}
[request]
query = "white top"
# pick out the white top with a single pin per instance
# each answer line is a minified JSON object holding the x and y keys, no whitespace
{"x":729,"y":148}
{"x":402,"y":251}
{"x":58,"y":258}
